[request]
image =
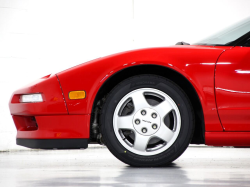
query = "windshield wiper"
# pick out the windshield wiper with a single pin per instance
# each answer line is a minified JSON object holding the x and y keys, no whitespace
{"x":182,"y":43}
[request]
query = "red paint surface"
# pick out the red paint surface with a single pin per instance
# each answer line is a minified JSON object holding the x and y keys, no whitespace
{"x":58,"y":127}
{"x":57,"y":119}
{"x":228,"y":138}
{"x":232,"y":82}
{"x":196,"y":63}
{"x":53,"y":103}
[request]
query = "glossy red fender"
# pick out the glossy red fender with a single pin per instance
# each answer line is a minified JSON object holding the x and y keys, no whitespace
{"x":196,"y":63}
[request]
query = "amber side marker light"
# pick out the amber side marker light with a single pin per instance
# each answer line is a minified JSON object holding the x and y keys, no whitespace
{"x":77,"y":95}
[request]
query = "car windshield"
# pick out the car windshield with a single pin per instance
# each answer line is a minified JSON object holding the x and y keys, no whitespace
{"x":228,"y":35}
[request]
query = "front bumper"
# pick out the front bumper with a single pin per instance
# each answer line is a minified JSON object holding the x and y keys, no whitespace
{"x":47,"y":124}
{"x":48,"y":132}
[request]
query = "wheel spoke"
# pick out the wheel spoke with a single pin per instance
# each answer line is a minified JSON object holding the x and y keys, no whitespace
{"x":164,"y":133}
{"x":141,"y":142}
{"x":146,"y":122}
{"x":139,"y":100}
{"x":163,"y":108}
{"x":124,"y":122}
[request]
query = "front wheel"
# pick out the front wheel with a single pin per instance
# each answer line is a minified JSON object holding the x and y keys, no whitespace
{"x":147,"y":120}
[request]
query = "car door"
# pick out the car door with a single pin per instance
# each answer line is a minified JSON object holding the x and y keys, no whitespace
{"x":232,"y":88}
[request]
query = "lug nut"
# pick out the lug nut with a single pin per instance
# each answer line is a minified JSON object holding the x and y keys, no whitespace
{"x":144,"y":130}
{"x":137,"y":121}
{"x":143,"y":112}
{"x":154,"y":126}
{"x":154,"y":115}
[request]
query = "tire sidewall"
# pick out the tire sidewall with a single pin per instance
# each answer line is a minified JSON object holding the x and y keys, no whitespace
{"x":164,"y":85}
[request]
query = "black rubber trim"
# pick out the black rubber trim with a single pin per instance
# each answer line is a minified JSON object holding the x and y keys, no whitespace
{"x":53,"y":143}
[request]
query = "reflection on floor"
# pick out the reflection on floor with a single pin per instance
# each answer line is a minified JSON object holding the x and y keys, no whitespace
{"x":95,"y":166}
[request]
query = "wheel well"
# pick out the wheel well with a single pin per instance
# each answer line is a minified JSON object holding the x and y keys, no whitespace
{"x":198,"y":137}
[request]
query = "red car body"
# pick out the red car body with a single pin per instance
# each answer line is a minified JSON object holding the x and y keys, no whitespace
{"x":219,"y":75}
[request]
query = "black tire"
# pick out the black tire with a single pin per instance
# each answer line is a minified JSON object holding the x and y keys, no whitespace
{"x":175,"y":93}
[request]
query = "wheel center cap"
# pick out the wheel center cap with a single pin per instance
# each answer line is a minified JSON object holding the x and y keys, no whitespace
{"x":146,"y":121}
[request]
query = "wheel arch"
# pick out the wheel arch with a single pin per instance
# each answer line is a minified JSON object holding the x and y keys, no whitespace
{"x":176,"y":77}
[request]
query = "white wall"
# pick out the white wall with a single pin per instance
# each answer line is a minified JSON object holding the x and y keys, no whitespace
{"x":39,"y":37}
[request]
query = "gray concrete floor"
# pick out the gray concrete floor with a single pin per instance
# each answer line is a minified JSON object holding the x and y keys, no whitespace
{"x":95,"y":166}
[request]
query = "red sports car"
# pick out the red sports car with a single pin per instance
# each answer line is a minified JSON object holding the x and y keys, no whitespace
{"x":145,"y":105}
